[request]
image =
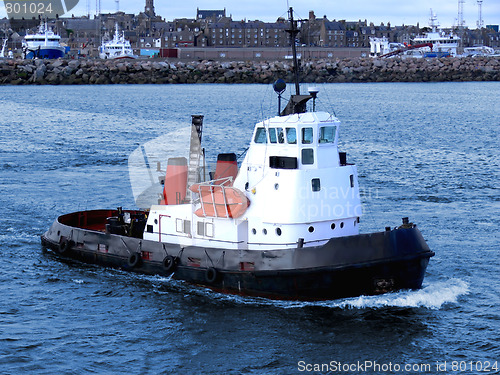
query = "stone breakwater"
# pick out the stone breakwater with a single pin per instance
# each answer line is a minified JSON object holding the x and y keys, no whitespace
{"x":72,"y":72}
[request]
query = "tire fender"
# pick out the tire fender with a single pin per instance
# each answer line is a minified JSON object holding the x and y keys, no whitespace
{"x":170,"y":263}
{"x":211,"y":275}
{"x":134,"y":259}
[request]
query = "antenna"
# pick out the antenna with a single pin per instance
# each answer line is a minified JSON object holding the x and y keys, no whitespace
{"x":432,"y":21}
{"x":480,"y":22}
{"x":98,"y":20}
{"x":88,"y":9}
{"x":461,"y":22}
{"x":117,"y":5}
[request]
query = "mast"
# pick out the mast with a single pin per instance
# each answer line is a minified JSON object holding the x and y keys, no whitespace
{"x":480,"y":22}
{"x":293,"y":37}
{"x":297,"y":103}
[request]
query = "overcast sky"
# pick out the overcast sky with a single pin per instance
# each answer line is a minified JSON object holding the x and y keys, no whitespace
{"x":397,"y":12}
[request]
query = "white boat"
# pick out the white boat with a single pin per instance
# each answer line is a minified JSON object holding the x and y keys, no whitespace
{"x":4,"y":45}
{"x":443,"y":44}
{"x":117,"y":48}
{"x":45,"y":44}
{"x":285,"y":224}
{"x":479,"y":51}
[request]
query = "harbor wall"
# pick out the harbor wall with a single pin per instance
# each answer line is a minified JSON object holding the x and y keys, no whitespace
{"x":68,"y":72}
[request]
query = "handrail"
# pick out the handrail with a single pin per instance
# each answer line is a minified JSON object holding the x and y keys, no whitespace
{"x":213,"y":200}
{"x":225,"y":200}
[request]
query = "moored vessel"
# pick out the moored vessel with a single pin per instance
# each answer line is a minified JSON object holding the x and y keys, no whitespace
{"x":441,"y":44}
{"x":44,"y":44}
{"x":284,"y":224}
{"x":116,"y":48}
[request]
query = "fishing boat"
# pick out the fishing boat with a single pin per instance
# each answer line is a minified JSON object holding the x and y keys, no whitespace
{"x":284,"y":224}
{"x":117,"y":48}
{"x":45,"y":44}
{"x":441,"y":44}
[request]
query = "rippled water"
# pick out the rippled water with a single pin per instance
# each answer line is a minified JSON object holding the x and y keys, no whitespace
{"x":427,"y":151}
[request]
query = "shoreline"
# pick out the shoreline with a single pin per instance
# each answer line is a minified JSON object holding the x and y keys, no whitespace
{"x":86,"y":71}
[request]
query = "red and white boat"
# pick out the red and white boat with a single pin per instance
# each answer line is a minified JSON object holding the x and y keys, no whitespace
{"x":285,"y":224}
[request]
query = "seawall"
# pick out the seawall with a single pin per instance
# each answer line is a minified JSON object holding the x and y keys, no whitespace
{"x":69,"y":72}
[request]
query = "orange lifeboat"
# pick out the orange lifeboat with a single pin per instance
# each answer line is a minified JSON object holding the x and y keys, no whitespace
{"x":220,"y":201}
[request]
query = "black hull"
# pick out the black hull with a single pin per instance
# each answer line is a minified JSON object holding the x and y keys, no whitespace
{"x":316,"y":284}
{"x":349,"y":266}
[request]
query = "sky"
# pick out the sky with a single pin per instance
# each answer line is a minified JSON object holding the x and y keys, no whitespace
{"x":397,"y":12}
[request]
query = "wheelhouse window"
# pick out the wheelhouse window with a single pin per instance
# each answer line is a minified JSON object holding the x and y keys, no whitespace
{"x":327,"y":134}
{"x":307,"y":135}
{"x":276,"y":135}
{"x":260,"y":135}
{"x":291,"y":136}
{"x":272,"y":135}
{"x":281,"y":135}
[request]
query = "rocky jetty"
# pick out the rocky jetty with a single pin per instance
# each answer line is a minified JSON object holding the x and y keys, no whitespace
{"x":72,"y":72}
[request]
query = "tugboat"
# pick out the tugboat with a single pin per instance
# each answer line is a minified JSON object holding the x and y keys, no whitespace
{"x":284,"y":225}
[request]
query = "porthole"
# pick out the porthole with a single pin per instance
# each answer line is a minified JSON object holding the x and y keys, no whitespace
{"x":246,"y":186}
{"x":254,"y":231}
{"x":276,"y":186}
{"x":332,"y":226}
{"x":342,"y":224}
{"x":278,"y":231}
{"x":156,"y":221}
{"x":311,"y":229}
{"x":264,"y":231}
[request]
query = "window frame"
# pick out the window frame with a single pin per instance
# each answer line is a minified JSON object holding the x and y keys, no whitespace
{"x":258,"y":138}
{"x":322,"y":140}
{"x":310,"y":140}
{"x":289,"y":132}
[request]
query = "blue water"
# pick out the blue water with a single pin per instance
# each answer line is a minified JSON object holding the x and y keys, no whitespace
{"x":427,"y":151}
